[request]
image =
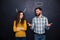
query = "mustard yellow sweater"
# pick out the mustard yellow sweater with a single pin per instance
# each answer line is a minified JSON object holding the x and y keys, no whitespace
{"x":20,"y":33}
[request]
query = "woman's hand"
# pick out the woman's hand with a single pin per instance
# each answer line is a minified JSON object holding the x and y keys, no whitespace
{"x":19,"y":29}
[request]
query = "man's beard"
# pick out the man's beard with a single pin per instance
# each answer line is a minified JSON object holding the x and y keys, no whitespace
{"x":37,"y":15}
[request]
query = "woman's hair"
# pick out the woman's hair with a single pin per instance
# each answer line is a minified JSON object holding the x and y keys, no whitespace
{"x":17,"y":18}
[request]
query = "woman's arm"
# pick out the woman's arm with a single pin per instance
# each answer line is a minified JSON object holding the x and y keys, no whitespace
{"x":24,"y":28}
{"x":14,"y":26}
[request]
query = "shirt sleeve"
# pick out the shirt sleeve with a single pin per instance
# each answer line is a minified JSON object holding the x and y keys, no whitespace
{"x":46,"y":23}
{"x":32,"y":24}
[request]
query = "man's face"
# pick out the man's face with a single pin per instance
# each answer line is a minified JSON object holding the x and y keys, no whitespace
{"x":38,"y":12}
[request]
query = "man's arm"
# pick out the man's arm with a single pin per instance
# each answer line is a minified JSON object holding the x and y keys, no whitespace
{"x":47,"y":24}
{"x":31,"y":25}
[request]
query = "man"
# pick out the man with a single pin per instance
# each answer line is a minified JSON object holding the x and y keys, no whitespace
{"x":39,"y":24}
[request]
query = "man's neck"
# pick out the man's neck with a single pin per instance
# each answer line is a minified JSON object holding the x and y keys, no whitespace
{"x":40,"y":16}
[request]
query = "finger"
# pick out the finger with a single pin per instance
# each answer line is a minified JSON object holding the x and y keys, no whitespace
{"x":51,"y":23}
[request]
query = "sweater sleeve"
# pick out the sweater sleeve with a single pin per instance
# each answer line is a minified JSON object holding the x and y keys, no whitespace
{"x":14,"y":26}
{"x":25,"y":25}
{"x":46,"y":21}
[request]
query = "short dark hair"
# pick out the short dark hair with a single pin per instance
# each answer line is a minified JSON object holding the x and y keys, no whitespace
{"x":38,"y":8}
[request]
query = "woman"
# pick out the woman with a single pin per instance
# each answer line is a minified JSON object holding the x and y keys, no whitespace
{"x":20,"y":26}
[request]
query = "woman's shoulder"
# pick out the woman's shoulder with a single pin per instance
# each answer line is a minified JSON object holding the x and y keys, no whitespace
{"x":14,"y":20}
{"x":25,"y":20}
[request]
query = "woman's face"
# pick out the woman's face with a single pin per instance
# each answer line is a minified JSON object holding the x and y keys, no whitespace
{"x":21,"y":15}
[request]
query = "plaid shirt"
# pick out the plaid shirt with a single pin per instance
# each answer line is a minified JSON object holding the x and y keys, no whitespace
{"x":39,"y":24}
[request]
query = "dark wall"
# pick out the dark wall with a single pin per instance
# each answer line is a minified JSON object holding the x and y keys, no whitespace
{"x":9,"y":8}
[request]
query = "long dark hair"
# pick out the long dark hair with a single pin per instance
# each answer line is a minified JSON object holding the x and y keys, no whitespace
{"x":17,"y":18}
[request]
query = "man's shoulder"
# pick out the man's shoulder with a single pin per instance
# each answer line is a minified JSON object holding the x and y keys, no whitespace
{"x":45,"y":17}
{"x":34,"y":18}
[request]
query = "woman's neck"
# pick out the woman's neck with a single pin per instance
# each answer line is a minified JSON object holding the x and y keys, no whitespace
{"x":20,"y":20}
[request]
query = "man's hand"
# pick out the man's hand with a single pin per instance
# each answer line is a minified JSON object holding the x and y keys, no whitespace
{"x":49,"y":24}
{"x":29,"y":24}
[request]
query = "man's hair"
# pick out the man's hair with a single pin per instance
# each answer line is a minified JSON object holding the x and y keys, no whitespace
{"x":38,"y":8}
